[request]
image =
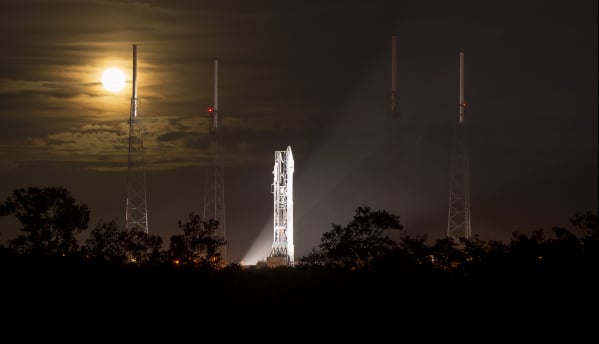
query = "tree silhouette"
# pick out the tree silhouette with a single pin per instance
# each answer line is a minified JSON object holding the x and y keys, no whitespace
{"x":199,"y":243}
{"x":588,"y":222}
{"x":446,"y":254}
{"x":50,"y":218}
{"x":141,"y":247}
{"x":107,"y":243}
{"x":359,"y":244}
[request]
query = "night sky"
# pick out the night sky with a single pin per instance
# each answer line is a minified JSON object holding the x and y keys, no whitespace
{"x":316,"y":76}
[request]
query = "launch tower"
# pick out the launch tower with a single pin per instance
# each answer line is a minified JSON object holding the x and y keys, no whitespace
{"x":458,"y":221}
{"x":214,"y":190}
{"x":137,"y":213}
{"x":282,"y":252}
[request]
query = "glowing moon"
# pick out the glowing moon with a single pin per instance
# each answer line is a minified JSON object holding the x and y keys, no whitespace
{"x":113,"y":79}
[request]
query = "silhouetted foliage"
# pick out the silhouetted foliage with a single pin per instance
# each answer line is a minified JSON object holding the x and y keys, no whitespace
{"x":107,"y":243}
{"x":474,"y":250}
{"x":198,"y":245}
{"x":356,"y":264}
{"x":141,"y":247}
{"x":313,"y":259}
{"x":446,"y":255}
{"x":113,"y":244}
{"x":586,"y":221}
{"x":415,"y":246}
{"x":359,"y":244}
{"x":50,"y":218}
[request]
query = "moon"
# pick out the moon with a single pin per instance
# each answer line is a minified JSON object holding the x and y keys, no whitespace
{"x":113,"y":79}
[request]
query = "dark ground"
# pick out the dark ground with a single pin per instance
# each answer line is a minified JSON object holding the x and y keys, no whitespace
{"x":296,"y":302}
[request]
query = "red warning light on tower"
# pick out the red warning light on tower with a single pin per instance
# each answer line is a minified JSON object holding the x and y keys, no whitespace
{"x":210,"y":109}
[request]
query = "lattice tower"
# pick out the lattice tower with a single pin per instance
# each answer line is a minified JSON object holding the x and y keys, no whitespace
{"x":214,"y":189}
{"x":458,"y":221}
{"x":136,"y":213}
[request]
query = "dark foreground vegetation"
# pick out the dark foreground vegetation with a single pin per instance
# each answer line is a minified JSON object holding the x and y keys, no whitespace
{"x":357,"y":272}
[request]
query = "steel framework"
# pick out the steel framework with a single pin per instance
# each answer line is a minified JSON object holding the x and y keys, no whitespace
{"x":458,"y":221}
{"x":136,"y":215}
{"x":282,"y":189}
{"x":214,"y":189}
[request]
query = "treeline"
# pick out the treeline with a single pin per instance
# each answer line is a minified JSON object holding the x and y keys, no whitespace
{"x":51,"y":219}
{"x":358,"y":277}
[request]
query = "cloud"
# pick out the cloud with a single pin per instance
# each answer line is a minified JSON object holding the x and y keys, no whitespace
{"x":28,"y":88}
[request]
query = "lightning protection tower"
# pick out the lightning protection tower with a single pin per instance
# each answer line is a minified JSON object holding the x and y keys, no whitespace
{"x":214,"y":190}
{"x":137,"y":213}
{"x":458,"y":221}
{"x":282,"y":252}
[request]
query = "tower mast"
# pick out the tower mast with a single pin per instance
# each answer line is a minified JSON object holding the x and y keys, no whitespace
{"x":136,"y":215}
{"x":458,"y":221}
{"x":214,"y":191}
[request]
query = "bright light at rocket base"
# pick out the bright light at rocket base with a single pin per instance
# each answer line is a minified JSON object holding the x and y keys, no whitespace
{"x":283,"y":182}
{"x":261,"y":246}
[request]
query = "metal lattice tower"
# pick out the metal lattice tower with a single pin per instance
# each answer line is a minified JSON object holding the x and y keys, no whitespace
{"x":282,"y":189}
{"x":137,"y":212}
{"x":458,"y":221}
{"x":214,"y":190}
